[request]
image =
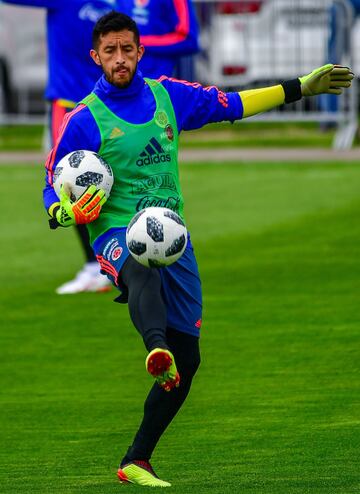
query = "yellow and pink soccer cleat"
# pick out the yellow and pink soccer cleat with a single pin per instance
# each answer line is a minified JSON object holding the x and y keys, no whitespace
{"x":140,"y":472}
{"x":160,"y":363}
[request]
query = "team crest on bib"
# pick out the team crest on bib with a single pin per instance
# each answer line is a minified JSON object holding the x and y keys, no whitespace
{"x":169,"y":132}
{"x":161,"y":118}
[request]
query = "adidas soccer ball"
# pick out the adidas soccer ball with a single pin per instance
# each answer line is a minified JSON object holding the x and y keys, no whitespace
{"x":156,"y":237}
{"x":80,"y":169}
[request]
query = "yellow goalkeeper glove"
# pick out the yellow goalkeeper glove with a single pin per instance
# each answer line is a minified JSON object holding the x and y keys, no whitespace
{"x":85,"y":210}
{"x":326,"y":79}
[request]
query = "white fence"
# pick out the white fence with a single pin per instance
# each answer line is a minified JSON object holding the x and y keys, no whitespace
{"x":254,"y":43}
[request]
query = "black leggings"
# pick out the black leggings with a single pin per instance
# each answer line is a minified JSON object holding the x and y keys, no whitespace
{"x":160,"y":406}
{"x":148,"y":313}
{"x":146,"y":306}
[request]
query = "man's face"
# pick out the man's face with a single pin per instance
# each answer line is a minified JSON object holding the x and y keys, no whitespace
{"x":118,"y":56}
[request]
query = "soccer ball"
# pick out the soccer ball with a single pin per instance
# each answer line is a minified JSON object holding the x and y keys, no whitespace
{"x":80,"y":169}
{"x":156,"y":237}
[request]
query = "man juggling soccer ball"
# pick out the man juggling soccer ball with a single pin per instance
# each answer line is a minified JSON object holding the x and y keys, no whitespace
{"x":129,"y":120}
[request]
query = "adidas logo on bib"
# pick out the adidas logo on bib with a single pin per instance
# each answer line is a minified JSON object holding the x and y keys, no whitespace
{"x":153,"y":154}
{"x":116,"y":132}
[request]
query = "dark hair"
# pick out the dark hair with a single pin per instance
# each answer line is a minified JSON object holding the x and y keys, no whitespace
{"x":114,"y":21}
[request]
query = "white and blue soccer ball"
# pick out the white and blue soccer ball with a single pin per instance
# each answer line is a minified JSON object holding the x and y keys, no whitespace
{"x":156,"y":237}
{"x":80,"y":169}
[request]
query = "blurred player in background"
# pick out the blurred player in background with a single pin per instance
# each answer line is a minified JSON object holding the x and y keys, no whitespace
{"x":170,"y":31}
{"x":71,"y":76}
{"x":124,"y":118}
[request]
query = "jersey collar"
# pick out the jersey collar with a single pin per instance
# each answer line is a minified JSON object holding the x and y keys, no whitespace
{"x":133,"y":89}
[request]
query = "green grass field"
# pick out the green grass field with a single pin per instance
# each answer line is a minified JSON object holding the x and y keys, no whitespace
{"x":275,"y":407}
{"x":263,"y":134}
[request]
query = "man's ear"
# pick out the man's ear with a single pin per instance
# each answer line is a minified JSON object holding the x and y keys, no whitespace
{"x":141,"y":51}
{"x":95,"y":56}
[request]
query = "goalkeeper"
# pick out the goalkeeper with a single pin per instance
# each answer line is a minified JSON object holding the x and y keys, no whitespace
{"x":129,"y":120}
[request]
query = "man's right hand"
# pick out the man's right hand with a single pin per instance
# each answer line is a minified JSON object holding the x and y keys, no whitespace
{"x":85,"y":210}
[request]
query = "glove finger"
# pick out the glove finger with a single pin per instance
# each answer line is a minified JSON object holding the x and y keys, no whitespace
{"x":101,"y":202}
{"x":67,"y":189}
{"x":341,"y":69}
{"x":99,"y":196}
{"x":101,"y":193}
{"x":340,"y":83}
{"x":96,"y":193}
{"x":327,"y":67}
{"x":94,"y":201}
{"x":64,"y":197}
{"x":334,"y":91}
{"x":93,"y":214}
{"x":349,"y":76}
{"x":340,"y":80}
{"x":342,"y":77}
{"x":324,"y":70}
{"x":84,"y":199}
{"x":335,"y":84}
{"x":91,"y":189}
{"x":80,"y":217}
{"x":86,"y":196}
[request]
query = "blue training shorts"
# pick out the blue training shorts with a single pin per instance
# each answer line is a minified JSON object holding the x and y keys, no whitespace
{"x":180,"y":282}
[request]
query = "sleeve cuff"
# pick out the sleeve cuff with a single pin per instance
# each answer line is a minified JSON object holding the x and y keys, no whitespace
{"x":292,"y":90}
{"x":53,"y":222}
{"x":53,"y":208}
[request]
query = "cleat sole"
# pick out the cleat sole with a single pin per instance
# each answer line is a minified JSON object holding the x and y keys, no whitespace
{"x":122,"y":477}
{"x":139,"y":476}
{"x":159,"y":363}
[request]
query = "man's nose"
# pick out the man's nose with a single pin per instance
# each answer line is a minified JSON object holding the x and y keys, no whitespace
{"x":120,"y":55}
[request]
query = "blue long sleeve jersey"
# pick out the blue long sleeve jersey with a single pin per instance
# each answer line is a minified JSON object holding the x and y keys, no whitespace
{"x":71,"y":71}
{"x":194,"y":107}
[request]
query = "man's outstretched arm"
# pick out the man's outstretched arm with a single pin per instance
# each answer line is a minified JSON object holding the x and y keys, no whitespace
{"x":331,"y":79}
{"x":196,"y":106}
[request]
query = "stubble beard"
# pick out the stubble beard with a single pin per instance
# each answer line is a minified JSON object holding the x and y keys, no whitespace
{"x":109,"y":76}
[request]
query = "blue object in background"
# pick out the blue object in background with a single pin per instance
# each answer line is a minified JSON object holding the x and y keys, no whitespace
{"x":337,"y":46}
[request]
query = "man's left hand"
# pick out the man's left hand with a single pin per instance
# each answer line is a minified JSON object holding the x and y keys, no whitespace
{"x":329,"y":79}
{"x":85,"y":210}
